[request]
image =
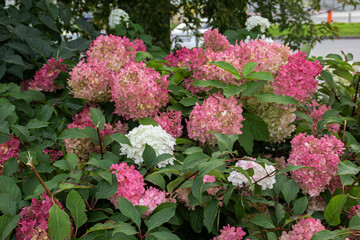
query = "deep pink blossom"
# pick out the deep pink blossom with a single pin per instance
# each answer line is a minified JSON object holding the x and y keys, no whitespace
{"x":217,"y":114}
{"x":53,"y":154}
{"x":232,"y":233}
{"x":321,"y":155}
{"x":34,"y":220}
{"x":9,"y":150}
{"x":216,"y":41}
{"x":45,"y":76}
{"x":152,"y":198}
{"x":130,"y":183}
{"x":170,"y":121}
{"x":297,"y":78}
{"x":139,"y":91}
{"x":304,"y":229}
{"x":316,"y":115}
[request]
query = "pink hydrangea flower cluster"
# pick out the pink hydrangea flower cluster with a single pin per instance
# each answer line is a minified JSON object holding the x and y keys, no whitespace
{"x":316,"y":204}
{"x":83,"y":147}
{"x":9,"y":150}
{"x":132,"y":187}
{"x":139,"y":91}
{"x":297,"y":78}
{"x":216,"y":41}
{"x":304,"y":229}
{"x":354,"y":210}
{"x":34,"y":220}
{"x":321,"y":155}
{"x":114,"y":51}
{"x":182,"y":194}
{"x":217,"y":114}
{"x":268,"y":56}
{"x":130,"y":183}
{"x":53,"y":154}
{"x":229,"y":232}
{"x":316,"y":114}
{"x":45,"y":76}
{"x":91,"y":81}
{"x":170,"y":121}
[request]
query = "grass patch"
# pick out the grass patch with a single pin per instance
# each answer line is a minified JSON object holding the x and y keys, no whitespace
{"x":345,"y":29}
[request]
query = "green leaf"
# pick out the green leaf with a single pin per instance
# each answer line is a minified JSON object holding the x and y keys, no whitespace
{"x":239,"y":208}
{"x":265,"y":76}
{"x":224,"y":142}
{"x":197,"y":186}
{"x":328,"y":78}
{"x":8,"y":224}
{"x":290,"y":168}
{"x":194,"y":159}
{"x":156,"y":179}
{"x":75,"y":203}
{"x":97,"y":117}
{"x":36,"y":123}
{"x":273,"y":98}
{"x":45,"y":113}
{"x":248,"y":68}
{"x":300,"y":205}
{"x":333,"y":209}
{"x":14,"y":59}
{"x":259,"y":128}
{"x":231,"y":90}
{"x":280,"y":213}
{"x":120,"y":138}
{"x":147,"y":121}
{"x":208,"y":166}
{"x":59,"y":224}
{"x":246,"y":139}
{"x":262,"y":220}
{"x":2,"y":70}
{"x":7,"y":204}
{"x":290,"y":189}
{"x":127,"y":209}
{"x":49,"y":22}
{"x":6,"y":110}
{"x":141,"y":56}
{"x":251,"y":87}
{"x":73,"y":133}
{"x":227,"y":67}
{"x":325,"y":235}
{"x":72,"y":160}
{"x":85,"y":26}
{"x":8,"y":186}
{"x":125,"y":228}
{"x":189,"y":101}
{"x":355,"y":222}
{"x":210,"y":213}
{"x":160,"y":217}
{"x":196,"y":219}
{"x":149,"y":156}
{"x":104,"y":189}
{"x":306,"y":48}
{"x":164,"y":235}
{"x":347,"y":167}
{"x":209,"y":83}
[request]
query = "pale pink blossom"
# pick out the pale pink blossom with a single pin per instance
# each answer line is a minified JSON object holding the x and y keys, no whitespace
{"x":304,"y":229}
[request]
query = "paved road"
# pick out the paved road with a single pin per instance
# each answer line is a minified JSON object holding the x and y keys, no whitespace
{"x":336,"y":46}
{"x":338,"y":16}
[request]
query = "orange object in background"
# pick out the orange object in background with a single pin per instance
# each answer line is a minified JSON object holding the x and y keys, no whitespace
{"x":329,"y":18}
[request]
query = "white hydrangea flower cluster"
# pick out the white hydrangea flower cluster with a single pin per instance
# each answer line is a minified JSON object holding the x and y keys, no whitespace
{"x":154,"y":136}
{"x":116,"y":16}
{"x":238,"y":179}
{"x":254,"y":21}
{"x":263,"y":37}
